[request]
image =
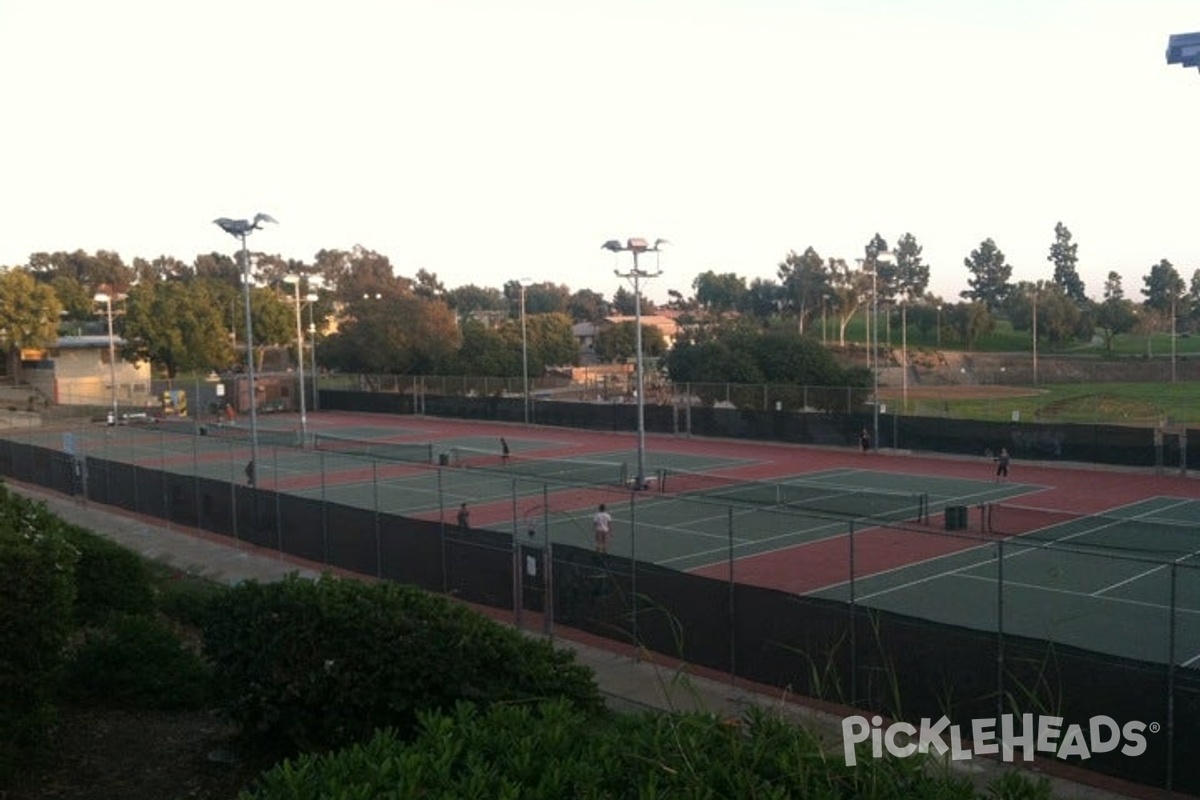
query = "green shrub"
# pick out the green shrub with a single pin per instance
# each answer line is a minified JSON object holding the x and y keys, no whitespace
{"x":36,"y":593}
{"x":108,"y":578}
{"x":136,"y":662}
{"x":313,"y":665}
{"x":556,"y":751}
{"x":188,"y":599}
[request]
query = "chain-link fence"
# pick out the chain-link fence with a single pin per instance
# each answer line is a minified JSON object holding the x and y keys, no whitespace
{"x":1076,"y":621}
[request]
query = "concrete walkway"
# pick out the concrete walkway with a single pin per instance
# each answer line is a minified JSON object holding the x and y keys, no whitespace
{"x":629,"y":683}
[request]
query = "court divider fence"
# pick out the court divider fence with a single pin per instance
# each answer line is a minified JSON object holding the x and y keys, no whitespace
{"x":843,"y":633}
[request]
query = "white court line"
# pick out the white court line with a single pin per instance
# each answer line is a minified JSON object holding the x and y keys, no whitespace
{"x":1039,"y":587}
{"x":1150,"y":571}
{"x":1040,"y":546}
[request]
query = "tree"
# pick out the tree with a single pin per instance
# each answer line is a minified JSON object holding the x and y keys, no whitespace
{"x":619,"y":342}
{"x":719,"y":294}
{"x":805,"y":281}
{"x":851,"y":291}
{"x":76,"y":300}
{"x":469,"y":299}
{"x":29,"y":312}
{"x":540,"y":298}
{"x":1063,"y":257}
{"x":176,"y":326}
{"x":989,"y":276}
{"x":1163,"y":288}
{"x":486,"y":352}
{"x":765,"y":299}
{"x":551,"y":341}
{"x":741,"y":352}
{"x":397,"y":333}
{"x":428,"y":285}
{"x":968,"y":321}
{"x":623,"y":303}
{"x":587,"y":306}
{"x":1115,"y":314}
{"x":912,"y":274}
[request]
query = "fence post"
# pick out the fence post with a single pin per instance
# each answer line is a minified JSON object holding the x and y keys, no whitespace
{"x":637,"y":651}
{"x":1171,"y":684}
{"x":516,"y":562}
{"x":378,"y":534}
{"x":853,"y":627}
{"x":732,"y":600}
{"x":442,"y":530}
{"x":547,"y":567}
{"x":999,"y":626}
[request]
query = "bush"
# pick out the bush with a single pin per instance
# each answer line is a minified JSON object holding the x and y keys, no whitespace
{"x":313,"y":665}
{"x":108,"y":578}
{"x":36,"y":593}
{"x":188,"y":599}
{"x":136,"y":662}
{"x":555,"y":751}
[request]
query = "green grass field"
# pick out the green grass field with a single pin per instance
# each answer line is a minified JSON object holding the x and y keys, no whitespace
{"x":1119,"y":403}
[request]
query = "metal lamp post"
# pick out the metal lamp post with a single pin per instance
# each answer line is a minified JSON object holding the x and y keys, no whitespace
{"x":524,"y":282}
{"x":295,"y":281}
{"x":904,"y":350}
{"x":312,"y":334}
{"x":105,"y":298}
{"x":886,"y":258}
{"x":637,"y":247}
{"x":1036,"y":289}
{"x":240,"y":229}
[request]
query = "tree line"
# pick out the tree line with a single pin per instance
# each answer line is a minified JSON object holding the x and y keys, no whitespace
{"x":363,"y":317}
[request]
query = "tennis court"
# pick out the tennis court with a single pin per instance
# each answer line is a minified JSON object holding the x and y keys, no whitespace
{"x":1101,"y":583}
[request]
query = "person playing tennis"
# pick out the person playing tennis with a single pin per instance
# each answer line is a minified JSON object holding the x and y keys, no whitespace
{"x":602,"y":527}
{"x":1002,"y":465}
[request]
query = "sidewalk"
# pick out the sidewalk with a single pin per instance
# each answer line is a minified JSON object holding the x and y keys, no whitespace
{"x":629,"y":683}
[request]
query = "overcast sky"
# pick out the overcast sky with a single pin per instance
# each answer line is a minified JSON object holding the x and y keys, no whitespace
{"x":487,"y":140}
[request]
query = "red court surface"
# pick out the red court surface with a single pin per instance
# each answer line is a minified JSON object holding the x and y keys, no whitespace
{"x":805,"y":567}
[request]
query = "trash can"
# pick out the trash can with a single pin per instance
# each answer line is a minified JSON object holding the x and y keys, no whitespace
{"x":956,"y":518}
{"x":443,"y":459}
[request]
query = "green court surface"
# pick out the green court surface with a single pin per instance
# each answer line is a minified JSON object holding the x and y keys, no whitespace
{"x":1127,"y":583}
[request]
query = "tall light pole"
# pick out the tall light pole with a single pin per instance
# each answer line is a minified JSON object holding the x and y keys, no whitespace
{"x":105,"y":298}
{"x":1172,"y":335}
{"x":240,"y":229}
{"x":1037,"y":287}
{"x":295,"y":280}
{"x":312,"y":334}
{"x":637,"y":247}
{"x":887,"y":258}
{"x":904,"y":348}
{"x":524,"y":282}
{"x":939,"y":326}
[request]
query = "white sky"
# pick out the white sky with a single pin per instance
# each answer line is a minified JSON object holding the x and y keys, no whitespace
{"x":487,"y":140}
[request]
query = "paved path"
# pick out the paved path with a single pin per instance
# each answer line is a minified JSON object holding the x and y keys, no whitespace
{"x":628,"y":682}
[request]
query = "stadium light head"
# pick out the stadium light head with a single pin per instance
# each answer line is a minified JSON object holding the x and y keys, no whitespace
{"x":1184,"y":49}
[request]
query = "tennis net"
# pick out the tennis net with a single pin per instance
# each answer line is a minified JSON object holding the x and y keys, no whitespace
{"x":416,"y":453}
{"x":823,"y":498}
{"x":572,"y":470}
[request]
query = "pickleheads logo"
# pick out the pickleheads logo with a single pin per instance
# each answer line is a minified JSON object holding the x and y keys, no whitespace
{"x":1043,"y":735}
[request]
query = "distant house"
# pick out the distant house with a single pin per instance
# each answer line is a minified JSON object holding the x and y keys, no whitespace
{"x":76,"y":370}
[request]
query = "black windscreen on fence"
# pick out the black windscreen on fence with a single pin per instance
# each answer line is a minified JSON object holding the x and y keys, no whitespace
{"x":302,"y":527}
{"x":411,"y":552}
{"x":353,"y":538}
{"x":868,"y":658}
{"x":479,"y":566}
